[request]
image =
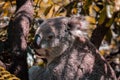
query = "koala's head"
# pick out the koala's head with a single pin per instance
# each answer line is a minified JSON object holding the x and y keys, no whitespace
{"x":55,"y":35}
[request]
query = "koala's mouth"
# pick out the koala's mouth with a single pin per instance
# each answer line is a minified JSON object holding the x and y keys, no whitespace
{"x":42,"y":52}
{"x":37,"y":53}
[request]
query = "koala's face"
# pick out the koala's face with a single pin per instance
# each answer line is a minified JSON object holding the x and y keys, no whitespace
{"x":50,"y":37}
{"x":50,"y":33}
{"x":55,"y":35}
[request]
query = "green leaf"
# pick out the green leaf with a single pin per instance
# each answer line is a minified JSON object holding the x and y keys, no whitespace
{"x":102,"y":16}
{"x":90,"y":19}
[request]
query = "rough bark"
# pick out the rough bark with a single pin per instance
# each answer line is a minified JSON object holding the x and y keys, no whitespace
{"x":18,"y":30}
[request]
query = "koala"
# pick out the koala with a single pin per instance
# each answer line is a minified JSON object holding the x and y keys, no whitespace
{"x":69,"y":53}
{"x":53,"y":38}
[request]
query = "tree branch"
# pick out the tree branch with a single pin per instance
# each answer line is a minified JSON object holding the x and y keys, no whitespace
{"x":101,"y":30}
{"x":18,"y":30}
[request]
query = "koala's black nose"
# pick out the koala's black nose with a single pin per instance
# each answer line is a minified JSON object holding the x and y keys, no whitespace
{"x":37,"y":41}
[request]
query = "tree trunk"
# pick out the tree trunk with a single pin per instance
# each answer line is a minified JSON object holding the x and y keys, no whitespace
{"x":18,"y":30}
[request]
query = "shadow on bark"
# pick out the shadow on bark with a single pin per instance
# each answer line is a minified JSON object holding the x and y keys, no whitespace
{"x":18,"y":30}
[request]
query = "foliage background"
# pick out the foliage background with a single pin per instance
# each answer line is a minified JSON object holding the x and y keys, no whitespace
{"x":95,"y":11}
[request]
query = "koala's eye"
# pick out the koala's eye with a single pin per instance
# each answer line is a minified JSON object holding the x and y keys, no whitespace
{"x":51,"y":36}
{"x":37,"y":40}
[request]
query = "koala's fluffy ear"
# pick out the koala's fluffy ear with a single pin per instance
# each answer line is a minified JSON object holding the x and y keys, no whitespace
{"x":77,"y":25}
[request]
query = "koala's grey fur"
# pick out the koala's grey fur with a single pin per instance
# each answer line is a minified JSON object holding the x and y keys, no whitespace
{"x":70,"y":55}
